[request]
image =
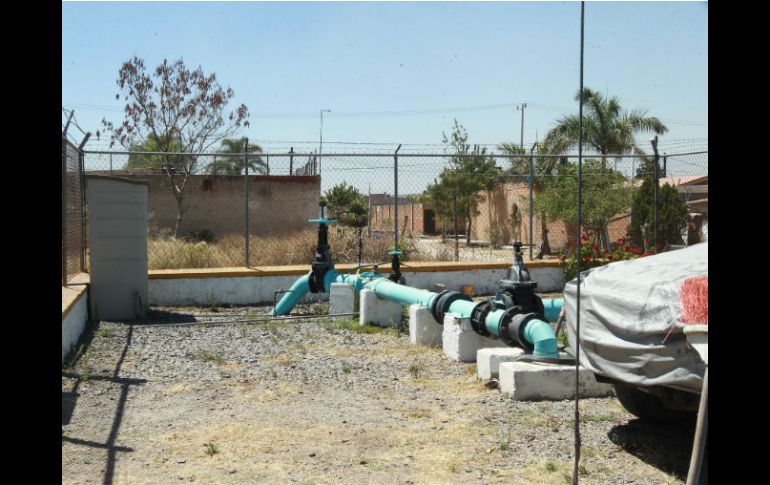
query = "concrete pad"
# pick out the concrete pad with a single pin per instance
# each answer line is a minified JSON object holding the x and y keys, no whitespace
{"x":341,"y":299}
{"x":488,"y":360}
{"x":379,"y":312}
{"x":526,"y":381}
{"x":460,"y":342}
{"x":423,"y":328}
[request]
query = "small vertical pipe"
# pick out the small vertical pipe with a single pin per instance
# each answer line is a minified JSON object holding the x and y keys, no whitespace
{"x":110,"y":163}
{"x":246,"y":204}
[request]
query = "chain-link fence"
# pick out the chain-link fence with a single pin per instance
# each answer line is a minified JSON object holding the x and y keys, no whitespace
{"x":73,"y":217}
{"x":231,"y":209}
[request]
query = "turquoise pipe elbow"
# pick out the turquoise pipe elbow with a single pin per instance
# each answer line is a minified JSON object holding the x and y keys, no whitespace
{"x":290,"y":299}
{"x":553,"y":308}
{"x":540,"y":334}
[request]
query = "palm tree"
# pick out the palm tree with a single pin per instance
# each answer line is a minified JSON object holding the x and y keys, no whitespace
{"x":236,"y":163}
{"x":606,"y":126}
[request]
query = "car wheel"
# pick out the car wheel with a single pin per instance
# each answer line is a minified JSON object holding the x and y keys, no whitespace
{"x":647,"y":406}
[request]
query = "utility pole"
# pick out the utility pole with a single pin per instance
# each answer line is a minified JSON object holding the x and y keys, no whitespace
{"x":369,"y":214}
{"x":321,"y":141}
{"x":521,"y":108}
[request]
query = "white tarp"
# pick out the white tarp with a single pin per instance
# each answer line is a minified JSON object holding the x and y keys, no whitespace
{"x":626,"y":310}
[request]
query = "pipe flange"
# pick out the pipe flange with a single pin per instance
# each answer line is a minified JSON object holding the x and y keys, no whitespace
{"x":442,"y":302}
{"x":505,"y":322}
{"x":517,"y":326}
{"x":479,"y":316}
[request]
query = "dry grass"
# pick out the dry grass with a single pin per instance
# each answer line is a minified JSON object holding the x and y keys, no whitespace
{"x":297,"y":248}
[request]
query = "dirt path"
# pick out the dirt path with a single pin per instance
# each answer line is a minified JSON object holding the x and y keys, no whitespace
{"x":316,"y":402}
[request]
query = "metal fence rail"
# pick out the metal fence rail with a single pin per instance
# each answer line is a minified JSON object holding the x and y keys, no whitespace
{"x":229,"y":215}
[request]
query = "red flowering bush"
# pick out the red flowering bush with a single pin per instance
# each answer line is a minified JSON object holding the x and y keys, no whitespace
{"x":591,"y":256}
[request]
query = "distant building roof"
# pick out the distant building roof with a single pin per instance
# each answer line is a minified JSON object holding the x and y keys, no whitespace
{"x":385,"y":199}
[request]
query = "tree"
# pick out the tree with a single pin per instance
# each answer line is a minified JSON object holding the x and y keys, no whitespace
{"x":606,"y":126}
{"x":470,"y":172}
{"x":543,"y":168}
{"x":236,"y":163}
{"x":138,"y":160}
{"x":179,"y":109}
{"x":347,"y":205}
{"x":606,"y":193}
{"x":672,"y":214}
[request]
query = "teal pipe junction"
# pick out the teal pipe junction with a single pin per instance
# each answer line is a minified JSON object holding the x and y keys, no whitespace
{"x":536,"y":332}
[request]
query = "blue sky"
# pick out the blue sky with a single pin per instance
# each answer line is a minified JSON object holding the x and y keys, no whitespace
{"x":286,"y":61}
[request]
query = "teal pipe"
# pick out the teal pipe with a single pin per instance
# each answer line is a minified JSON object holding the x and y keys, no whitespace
{"x":537,"y":332}
{"x":290,"y":299}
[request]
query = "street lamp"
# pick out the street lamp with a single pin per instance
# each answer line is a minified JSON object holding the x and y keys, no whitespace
{"x":321,"y":141}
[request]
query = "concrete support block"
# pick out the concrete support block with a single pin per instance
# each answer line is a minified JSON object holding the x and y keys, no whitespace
{"x":525,"y":381}
{"x":423,"y":328}
{"x":488,"y":360}
{"x":460,"y":342}
{"x":341,"y":298}
{"x":379,"y":312}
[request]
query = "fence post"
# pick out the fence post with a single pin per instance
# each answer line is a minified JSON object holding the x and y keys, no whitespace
{"x":457,"y":241}
{"x":395,"y":198}
{"x":531,"y":204}
{"x":64,"y":211}
{"x":246,"y":203}
{"x":655,"y":192}
{"x":291,"y":161}
{"x":82,"y":178}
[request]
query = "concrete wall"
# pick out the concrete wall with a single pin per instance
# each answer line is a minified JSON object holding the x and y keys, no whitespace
{"x":117,"y":240}
{"x":245,"y":289}
{"x":74,"y":318}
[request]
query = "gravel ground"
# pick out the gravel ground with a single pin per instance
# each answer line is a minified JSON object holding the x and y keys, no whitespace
{"x":321,"y":401}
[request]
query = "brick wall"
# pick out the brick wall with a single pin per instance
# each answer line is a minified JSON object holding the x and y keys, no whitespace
{"x":495,"y":218}
{"x":411,"y":218}
{"x":277,"y":204}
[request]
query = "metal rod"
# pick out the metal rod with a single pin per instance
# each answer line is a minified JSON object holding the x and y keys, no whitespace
{"x":262,"y":320}
{"x":701,"y":432}
{"x":575,"y":470}
{"x":246,"y":204}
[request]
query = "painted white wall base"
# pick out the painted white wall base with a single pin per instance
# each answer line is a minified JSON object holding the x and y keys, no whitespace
{"x":73,"y":324}
{"x":379,"y":312}
{"x":423,"y":328}
{"x":461,"y":342}
{"x":260,"y":290}
{"x":488,"y":360}
{"x":525,"y":381}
